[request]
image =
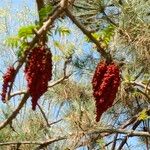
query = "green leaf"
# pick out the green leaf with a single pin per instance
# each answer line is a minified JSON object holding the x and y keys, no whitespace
{"x":69,"y":50}
{"x":57,"y":58}
{"x":56,"y":43}
{"x":143,"y":115}
{"x":60,"y":46}
{"x":63,"y":31}
{"x":45,"y":11}
{"x":96,"y":35}
{"x":22,"y":49}
{"x":103,"y":35}
{"x":100,"y":142}
{"x":26,"y":31}
{"x":12,"y":42}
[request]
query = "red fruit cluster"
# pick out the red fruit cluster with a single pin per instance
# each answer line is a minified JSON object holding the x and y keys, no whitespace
{"x":38,"y":72}
{"x":106,"y":81}
{"x":7,"y":80}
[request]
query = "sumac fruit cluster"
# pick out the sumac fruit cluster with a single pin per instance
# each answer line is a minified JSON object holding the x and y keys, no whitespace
{"x":106,"y":81}
{"x":7,"y":80}
{"x":38,"y":72}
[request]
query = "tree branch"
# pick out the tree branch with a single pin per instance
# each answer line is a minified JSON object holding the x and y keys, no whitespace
{"x":134,"y":120}
{"x":136,"y":124}
{"x":17,"y":93}
{"x":106,"y":55}
{"x":42,"y":144}
{"x":14,"y":114}
{"x":48,"y":142}
{"x":49,"y":86}
{"x":40,"y":4}
{"x":121,"y":131}
{"x":139,"y":84}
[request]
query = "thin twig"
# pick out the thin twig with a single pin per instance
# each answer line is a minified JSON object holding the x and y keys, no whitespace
{"x":123,"y":126}
{"x":114,"y":142}
{"x":22,"y":92}
{"x":146,"y":95}
{"x":58,"y":81}
{"x":111,"y":142}
{"x":52,"y":123}
{"x":44,"y":115}
{"x":47,"y":142}
{"x":14,"y":114}
{"x":124,"y":141}
{"x":140,"y":85}
{"x":122,"y":131}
